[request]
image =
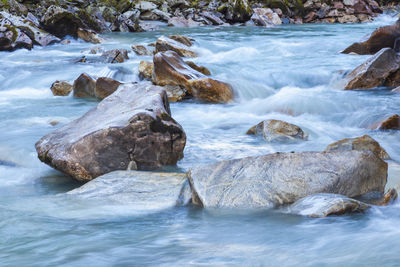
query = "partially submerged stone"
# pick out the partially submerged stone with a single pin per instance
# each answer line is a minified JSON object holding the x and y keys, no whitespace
{"x":132,"y":127}
{"x":283,"y":178}
{"x":89,"y":36}
{"x":383,"y":37}
{"x":105,"y":86}
{"x":141,"y":50}
{"x":144,"y":190}
{"x":383,"y":69}
{"x":164,"y":44}
{"x":84,"y":86}
{"x":145,"y":70}
{"x":61,"y":88}
{"x":182,"y":39}
{"x":115,"y":56}
{"x":322,"y":205}
{"x":391,"y":123}
{"x":200,"y":69}
{"x":170,"y":70}
{"x":278,"y":131}
{"x":362,"y":143}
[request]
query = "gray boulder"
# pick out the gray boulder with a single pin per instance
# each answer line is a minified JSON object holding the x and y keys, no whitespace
{"x":283,"y":178}
{"x":130,"y":129}
{"x":322,"y":205}
{"x":144,"y":190}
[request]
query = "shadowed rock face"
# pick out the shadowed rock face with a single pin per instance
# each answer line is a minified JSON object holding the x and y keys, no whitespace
{"x":283,"y":178}
{"x":322,"y":205}
{"x":131,"y":128}
{"x":142,"y":190}
{"x":171,"y":70}
{"x":363,"y":143}
{"x":105,"y":86}
{"x":380,"y":38}
{"x":383,"y":69}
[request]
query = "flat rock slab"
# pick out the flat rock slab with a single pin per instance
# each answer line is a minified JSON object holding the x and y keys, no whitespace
{"x":283,"y":178}
{"x":130,"y":129}
{"x":146,"y":190}
{"x":322,"y":205}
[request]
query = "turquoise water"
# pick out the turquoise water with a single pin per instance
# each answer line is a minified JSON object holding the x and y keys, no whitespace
{"x":290,"y":73}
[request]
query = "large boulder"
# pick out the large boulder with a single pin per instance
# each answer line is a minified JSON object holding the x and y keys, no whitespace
{"x":131,"y":129}
{"x":383,"y":69}
{"x":164,"y":44}
{"x":278,"y":131}
{"x":170,"y":70}
{"x":322,"y":205}
{"x":283,"y":178}
{"x":362,"y":143}
{"x":144,"y":191}
{"x":382,"y":37}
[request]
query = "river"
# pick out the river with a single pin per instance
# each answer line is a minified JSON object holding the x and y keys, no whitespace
{"x":290,"y":72}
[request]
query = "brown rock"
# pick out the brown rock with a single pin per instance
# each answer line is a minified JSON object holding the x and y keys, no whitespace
{"x":166,"y":44}
{"x":84,"y":86}
{"x":132,"y":127}
{"x":170,"y":69}
{"x":380,"y":70}
{"x":105,"y":86}
{"x":61,"y":88}
{"x":182,"y":39}
{"x":391,"y":123}
{"x":201,"y":69}
{"x":363,"y":143}
{"x":278,"y":131}
{"x":146,"y":70}
{"x":141,"y":50}
{"x":89,"y":36}
{"x":380,"y":38}
{"x":348,"y":19}
{"x":115,"y":56}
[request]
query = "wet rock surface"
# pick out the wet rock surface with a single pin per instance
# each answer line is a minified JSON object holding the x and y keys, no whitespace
{"x":171,"y":70}
{"x":132,"y":128}
{"x":322,"y":205}
{"x":164,"y":44}
{"x":105,"y":86}
{"x":363,"y":143}
{"x":84,"y":86}
{"x":61,"y":88}
{"x":283,"y":178}
{"x":278,"y":131}
{"x":383,"y":69}
{"x":144,"y":190}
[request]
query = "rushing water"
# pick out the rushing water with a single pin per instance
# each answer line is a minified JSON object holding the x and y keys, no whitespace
{"x":289,"y":72}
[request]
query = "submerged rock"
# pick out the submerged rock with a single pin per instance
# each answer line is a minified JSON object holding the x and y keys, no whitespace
{"x":363,"y":143}
{"x":61,"y":88}
{"x":164,"y":44}
{"x":278,"y":131}
{"x":105,"y":86}
{"x":132,"y":127}
{"x":170,"y":70}
{"x":383,"y":69}
{"x":283,"y":178}
{"x":383,"y":37}
{"x":143,"y":190}
{"x":322,"y":205}
{"x":84,"y":86}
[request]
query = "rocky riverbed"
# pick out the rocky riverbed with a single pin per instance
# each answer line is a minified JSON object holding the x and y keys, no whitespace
{"x":195,"y":142}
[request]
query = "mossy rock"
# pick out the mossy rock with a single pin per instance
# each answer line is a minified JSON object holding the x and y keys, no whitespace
{"x":119,"y":5}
